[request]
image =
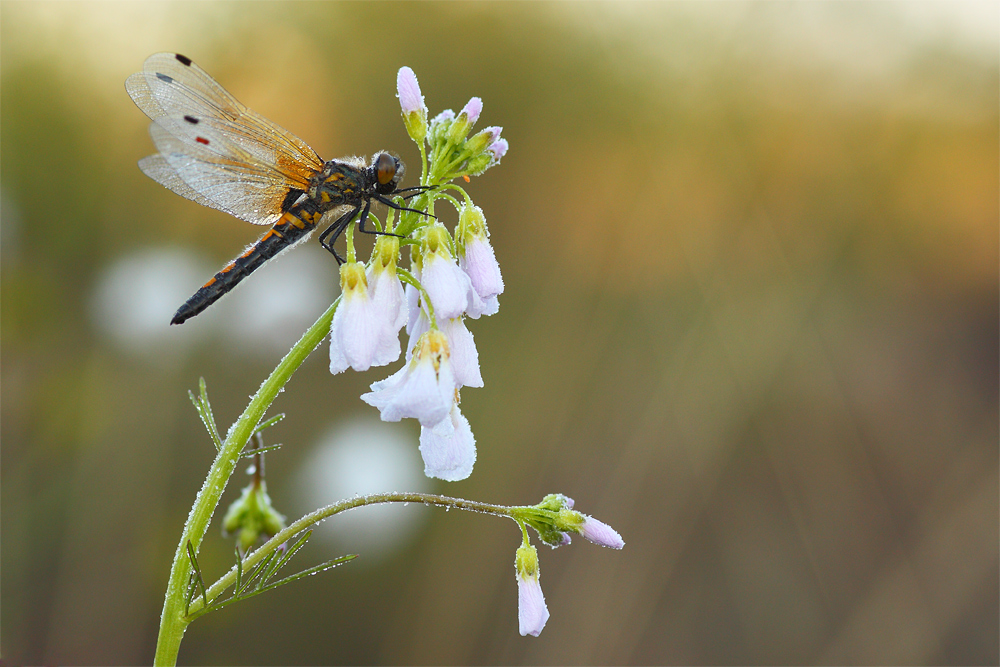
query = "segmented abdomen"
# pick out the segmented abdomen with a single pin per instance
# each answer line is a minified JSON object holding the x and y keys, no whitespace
{"x":286,"y":232}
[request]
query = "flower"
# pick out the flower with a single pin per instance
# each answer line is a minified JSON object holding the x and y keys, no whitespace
{"x":475,"y":254}
{"x":356,"y":328}
{"x":464,"y":355}
{"x":448,"y":448}
{"x":532,"y":614}
{"x":387,"y":297}
{"x":446,"y":284}
{"x":423,"y":389}
{"x":554,"y":519}
{"x":408,"y":91}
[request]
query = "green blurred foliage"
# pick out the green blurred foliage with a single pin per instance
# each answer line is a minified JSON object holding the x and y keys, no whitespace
{"x":751,"y":321}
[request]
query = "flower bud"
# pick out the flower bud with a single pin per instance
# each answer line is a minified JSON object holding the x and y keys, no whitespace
{"x":466,"y":119}
{"x":252,"y":515}
{"x":412,"y":104}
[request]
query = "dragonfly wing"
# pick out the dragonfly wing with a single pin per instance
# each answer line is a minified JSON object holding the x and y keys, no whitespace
{"x":219,"y":173}
{"x":237,"y":160}
{"x":158,"y":169}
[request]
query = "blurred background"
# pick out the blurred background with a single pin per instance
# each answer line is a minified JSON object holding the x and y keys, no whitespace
{"x":750,"y":321}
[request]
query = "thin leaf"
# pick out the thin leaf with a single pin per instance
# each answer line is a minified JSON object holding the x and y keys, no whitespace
{"x":204,"y":409}
{"x":271,"y":569}
{"x":239,"y":571}
{"x":258,"y":570}
{"x":301,"y":542}
{"x":197,"y":572}
{"x":268,"y":424}
{"x":247,"y":453}
{"x":322,"y":567}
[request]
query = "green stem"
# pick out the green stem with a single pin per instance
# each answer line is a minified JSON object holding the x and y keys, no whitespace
{"x":173,"y":621}
{"x":316,"y":516}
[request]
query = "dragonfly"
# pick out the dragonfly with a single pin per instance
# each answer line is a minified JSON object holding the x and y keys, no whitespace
{"x":215,"y":151}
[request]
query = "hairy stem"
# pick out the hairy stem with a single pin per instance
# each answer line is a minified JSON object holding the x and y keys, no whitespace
{"x":316,"y":516}
{"x":173,"y":621}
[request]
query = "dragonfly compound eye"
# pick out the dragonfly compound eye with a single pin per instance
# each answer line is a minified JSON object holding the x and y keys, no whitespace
{"x":386,"y":167}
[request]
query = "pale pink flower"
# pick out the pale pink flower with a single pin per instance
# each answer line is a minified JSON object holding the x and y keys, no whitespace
{"x":464,"y":355}
{"x":356,"y":327}
{"x":532,"y":613}
{"x":447,"y":285}
{"x":387,"y":297}
{"x":448,"y":448}
{"x":480,"y":262}
{"x":423,"y":389}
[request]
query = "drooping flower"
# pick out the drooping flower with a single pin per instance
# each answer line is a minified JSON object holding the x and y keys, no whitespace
{"x":532,"y":613}
{"x":387,"y":296}
{"x":423,"y":389}
{"x":356,"y":328}
{"x":446,"y":284}
{"x":448,"y":448}
{"x":475,"y":254}
{"x":464,"y":355}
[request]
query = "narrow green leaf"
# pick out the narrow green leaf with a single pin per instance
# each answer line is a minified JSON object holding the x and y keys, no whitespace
{"x":322,"y":567}
{"x":271,"y":569}
{"x":204,"y":409}
{"x":197,"y":572}
{"x":247,"y":453}
{"x":255,"y":573}
{"x":301,"y":542}
{"x":268,"y":424}
{"x":203,"y":390}
{"x":239,"y":571}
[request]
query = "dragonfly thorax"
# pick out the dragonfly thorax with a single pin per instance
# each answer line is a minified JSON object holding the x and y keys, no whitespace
{"x":350,"y":182}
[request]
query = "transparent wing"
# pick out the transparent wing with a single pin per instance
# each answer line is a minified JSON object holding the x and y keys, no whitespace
{"x":213,"y":150}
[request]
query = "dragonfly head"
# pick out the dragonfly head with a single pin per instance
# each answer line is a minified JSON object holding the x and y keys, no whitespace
{"x":389,"y":171}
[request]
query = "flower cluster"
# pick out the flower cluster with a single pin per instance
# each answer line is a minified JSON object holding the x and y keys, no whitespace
{"x":451,"y":277}
{"x":553,"y":519}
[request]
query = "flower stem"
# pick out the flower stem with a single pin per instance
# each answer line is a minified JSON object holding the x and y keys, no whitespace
{"x":316,"y":516}
{"x":173,"y":621}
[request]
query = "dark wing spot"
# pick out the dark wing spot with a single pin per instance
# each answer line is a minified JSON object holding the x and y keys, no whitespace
{"x":184,"y":60}
{"x":164,"y":77}
{"x":201,"y":140}
{"x":290,"y":198}
{"x":191,"y":119}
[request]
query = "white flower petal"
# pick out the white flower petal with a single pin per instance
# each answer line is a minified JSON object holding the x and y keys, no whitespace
{"x":532,"y":612}
{"x":464,"y":356}
{"x":423,"y":389}
{"x":447,"y":286}
{"x":601,"y":533}
{"x":448,"y":448}
{"x":480,"y":263}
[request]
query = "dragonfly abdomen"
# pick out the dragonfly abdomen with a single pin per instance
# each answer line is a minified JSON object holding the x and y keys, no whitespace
{"x":286,"y":232}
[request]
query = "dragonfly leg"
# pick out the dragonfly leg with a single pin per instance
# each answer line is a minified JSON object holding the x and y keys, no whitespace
{"x":335,"y":229}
